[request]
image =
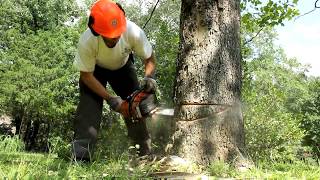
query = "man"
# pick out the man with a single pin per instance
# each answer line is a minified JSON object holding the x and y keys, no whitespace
{"x":104,"y":57}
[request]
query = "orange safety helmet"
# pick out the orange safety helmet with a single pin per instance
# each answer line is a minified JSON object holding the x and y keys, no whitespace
{"x":108,"y":19}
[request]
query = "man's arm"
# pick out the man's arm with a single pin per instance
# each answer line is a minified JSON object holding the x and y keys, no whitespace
{"x":89,"y":80}
{"x":150,"y":66}
{"x":148,"y":83}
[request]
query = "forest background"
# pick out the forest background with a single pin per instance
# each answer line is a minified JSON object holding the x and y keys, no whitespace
{"x":39,"y":89}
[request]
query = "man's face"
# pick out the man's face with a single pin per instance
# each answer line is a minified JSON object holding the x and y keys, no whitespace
{"x":111,"y":42}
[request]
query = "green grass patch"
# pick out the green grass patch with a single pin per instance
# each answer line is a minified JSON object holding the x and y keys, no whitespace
{"x":112,"y":163}
{"x":10,"y":144}
{"x":22,"y":165}
{"x":269,"y":170}
{"x":47,"y":166}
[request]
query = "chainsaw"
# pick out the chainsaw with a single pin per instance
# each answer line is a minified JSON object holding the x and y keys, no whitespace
{"x":141,"y":104}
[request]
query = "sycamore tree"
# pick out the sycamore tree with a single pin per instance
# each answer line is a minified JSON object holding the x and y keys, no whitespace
{"x":208,"y":83}
{"x":209,"y":77}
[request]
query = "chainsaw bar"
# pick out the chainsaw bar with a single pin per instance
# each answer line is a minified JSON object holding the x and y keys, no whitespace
{"x":162,"y":112}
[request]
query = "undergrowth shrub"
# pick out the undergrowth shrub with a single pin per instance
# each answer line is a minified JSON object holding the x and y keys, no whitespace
{"x":10,"y":144}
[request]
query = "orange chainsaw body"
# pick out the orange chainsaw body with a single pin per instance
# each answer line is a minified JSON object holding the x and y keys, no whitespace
{"x":138,"y":105}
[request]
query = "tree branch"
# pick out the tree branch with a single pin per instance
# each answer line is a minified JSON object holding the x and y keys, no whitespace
{"x":315,"y":7}
{"x":253,"y":37}
{"x":154,"y":8}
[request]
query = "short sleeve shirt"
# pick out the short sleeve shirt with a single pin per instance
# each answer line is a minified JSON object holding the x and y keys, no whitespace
{"x":93,"y":51}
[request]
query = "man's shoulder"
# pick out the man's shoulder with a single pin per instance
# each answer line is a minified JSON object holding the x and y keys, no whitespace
{"x":131,"y":24}
{"x":132,"y":28}
{"x":87,"y":37}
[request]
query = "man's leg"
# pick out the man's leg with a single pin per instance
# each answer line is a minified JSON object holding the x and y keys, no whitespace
{"x":87,"y":120}
{"x":124,"y":82}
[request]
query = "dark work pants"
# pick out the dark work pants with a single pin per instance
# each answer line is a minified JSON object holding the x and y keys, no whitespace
{"x":89,"y":111}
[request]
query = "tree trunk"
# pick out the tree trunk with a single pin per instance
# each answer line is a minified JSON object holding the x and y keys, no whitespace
{"x":209,"y":123}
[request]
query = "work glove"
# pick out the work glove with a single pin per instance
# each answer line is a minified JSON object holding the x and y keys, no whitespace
{"x":149,"y":85}
{"x":115,"y":103}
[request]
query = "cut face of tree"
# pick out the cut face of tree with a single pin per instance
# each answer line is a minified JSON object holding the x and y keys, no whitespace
{"x":209,"y":124}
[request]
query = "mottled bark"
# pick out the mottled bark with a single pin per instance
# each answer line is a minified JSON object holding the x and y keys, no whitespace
{"x":209,"y":124}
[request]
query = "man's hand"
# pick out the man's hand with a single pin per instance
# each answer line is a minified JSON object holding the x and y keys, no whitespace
{"x":115,"y":103}
{"x":149,"y":84}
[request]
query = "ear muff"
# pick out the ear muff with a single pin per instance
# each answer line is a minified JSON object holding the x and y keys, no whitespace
{"x":90,"y":23}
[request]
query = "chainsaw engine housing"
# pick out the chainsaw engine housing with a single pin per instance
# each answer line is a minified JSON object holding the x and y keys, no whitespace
{"x":139,"y":105}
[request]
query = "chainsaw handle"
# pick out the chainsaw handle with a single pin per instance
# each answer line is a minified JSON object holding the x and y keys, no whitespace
{"x":138,"y":105}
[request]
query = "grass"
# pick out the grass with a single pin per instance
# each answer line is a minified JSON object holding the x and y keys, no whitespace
{"x":269,"y":170}
{"x":42,"y":166}
{"x":17,"y":164}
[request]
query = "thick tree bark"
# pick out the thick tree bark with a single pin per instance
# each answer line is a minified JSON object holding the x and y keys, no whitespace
{"x":209,"y":123}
